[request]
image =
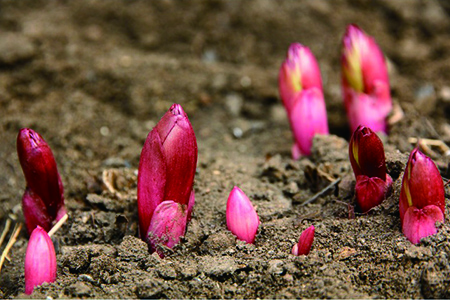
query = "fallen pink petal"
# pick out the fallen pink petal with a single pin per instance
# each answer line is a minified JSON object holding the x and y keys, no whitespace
{"x":242,"y":219}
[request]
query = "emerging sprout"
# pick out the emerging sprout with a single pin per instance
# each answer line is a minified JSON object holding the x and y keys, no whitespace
{"x":40,"y":260}
{"x":422,"y":197}
{"x":165,"y":180}
{"x":365,"y":82}
{"x":366,"y":154}
{"x":43,"y":199}
{"x":303,"y":247}
{"x":242,"y":219}
{"x":300,"y":87}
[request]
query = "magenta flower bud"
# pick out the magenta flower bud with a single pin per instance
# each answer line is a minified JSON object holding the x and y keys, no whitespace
{"x":422,"y":197}
{"x":366,"y":154}
{"x":303,"y":247}
{"x":298,"y":72}
{"x":168,"y":224}
{"x":242,"y":219}
{"x":300,"y":88}
{"x":42,"y":177}
{"x":308,"y":118}
{"x":365,"y":81}
{"x":40,"y":260}
{"x":167,"y":168}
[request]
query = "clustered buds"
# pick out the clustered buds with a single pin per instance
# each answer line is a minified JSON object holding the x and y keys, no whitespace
{"x":422,"y":197}
{"x":165,"y":180}
{"x":367,"y":158}
{"x":365,"y":81}
{"x":300,"y":87}
{"x":43,"y":199}
{"x":40,"y":260}
{"x":242,"y":219}
{"x":303,"y":247}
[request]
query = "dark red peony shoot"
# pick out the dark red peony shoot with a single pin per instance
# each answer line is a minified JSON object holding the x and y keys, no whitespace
{"x":165,"y":180}
{"x":43,"y":199}
{"x":40,"y":260}
{"x":366,"y":154}
{"x":422,"y":197}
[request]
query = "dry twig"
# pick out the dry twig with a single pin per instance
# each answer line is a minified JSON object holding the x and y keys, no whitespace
{"x":320,"y":193}
{"x":11,"y":242}
{"x":58,"y":225}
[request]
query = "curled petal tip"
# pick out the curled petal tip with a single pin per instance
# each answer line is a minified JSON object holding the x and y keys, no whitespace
{"x":40,"y":260}
{"x":242,"y":219}
{"x":303,"y":247}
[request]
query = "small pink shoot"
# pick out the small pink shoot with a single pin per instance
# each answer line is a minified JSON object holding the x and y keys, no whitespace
{"x":40,"y":260}
{"x":242,"y":219}
{"x":303,"y":247}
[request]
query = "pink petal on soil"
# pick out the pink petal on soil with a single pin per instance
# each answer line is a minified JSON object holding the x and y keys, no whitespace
{"x":167,"y":225}
{"x":40,"y":260}
{"x":242,"y":219}
{"x":420,"y":223}
{"x":303,"y":247}
{"x":308,"y":118}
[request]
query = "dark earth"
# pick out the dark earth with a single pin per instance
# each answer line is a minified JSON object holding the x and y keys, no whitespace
{"x":94,"y":77}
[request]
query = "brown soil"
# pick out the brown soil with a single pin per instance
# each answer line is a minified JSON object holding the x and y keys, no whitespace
{"x":93,"y":78}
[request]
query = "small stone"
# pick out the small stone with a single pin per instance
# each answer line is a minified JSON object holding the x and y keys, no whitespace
{"x":15,"y":48}
{"x":218,"y":267}
{"x":79,"y":289}
{"x":233,"y":103}
{"x":276,"y":267}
